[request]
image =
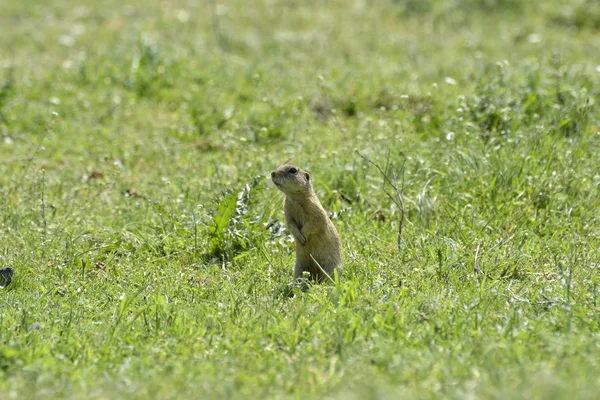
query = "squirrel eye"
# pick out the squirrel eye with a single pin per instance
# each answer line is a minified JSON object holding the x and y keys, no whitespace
{"x":292,"y":170}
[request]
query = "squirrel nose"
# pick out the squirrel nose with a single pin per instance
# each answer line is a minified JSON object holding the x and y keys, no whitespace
{"x":272,"y":174}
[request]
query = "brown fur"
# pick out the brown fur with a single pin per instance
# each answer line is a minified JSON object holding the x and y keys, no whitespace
{"x":315,"y":235}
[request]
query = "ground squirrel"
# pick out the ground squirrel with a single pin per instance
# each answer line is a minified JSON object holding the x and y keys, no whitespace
{"x":315,"y":235}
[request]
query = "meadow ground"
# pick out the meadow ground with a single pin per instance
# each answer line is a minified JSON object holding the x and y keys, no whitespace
{"x":150,"y":255}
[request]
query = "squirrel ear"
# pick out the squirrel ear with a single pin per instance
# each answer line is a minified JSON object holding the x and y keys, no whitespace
{"x":307,"y":175}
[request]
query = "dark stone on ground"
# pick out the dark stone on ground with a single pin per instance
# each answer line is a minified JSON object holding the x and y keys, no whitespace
{"x":6,"y":276}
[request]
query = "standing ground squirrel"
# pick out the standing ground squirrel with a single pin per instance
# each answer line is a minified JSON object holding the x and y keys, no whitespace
{"x":315,"y":235}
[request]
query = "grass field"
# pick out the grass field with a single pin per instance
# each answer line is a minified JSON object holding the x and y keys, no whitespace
{"x":151,"y":259}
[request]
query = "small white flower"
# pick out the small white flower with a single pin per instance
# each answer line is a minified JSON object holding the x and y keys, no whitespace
{"x":182,"y":16}
{"x":66,"y":40}
{"x":450,"y":81}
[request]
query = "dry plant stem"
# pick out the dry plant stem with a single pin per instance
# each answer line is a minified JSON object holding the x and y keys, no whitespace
{"x":475,"y":267}
{"x":393,"y":182}
{"x":33,"y":155}
{"x":215,"y":25}
{"x":322,"y":270}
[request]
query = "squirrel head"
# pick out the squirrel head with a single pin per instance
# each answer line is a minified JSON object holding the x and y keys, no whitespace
{"x":291,"y":180}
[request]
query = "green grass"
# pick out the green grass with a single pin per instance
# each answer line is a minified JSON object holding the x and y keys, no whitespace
{"x":150,"y":254}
